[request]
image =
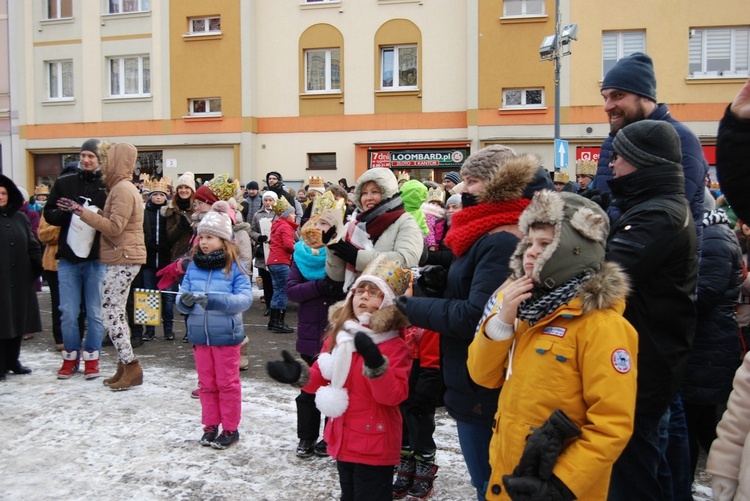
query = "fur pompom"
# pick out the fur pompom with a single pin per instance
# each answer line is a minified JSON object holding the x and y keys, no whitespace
{"x":332,"y":402}
{"x":325,"y":364}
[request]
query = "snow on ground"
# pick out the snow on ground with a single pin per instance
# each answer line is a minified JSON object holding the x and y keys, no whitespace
{"x":75,"y":439}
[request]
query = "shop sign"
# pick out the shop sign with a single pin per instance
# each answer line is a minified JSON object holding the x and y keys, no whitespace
{"x":417,"y":159}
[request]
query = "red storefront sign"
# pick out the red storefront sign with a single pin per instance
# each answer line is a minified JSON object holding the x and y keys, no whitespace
{"x":587,"y":153}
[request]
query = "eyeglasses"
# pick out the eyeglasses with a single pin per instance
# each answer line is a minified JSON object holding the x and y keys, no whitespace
{"x":371,"y":293}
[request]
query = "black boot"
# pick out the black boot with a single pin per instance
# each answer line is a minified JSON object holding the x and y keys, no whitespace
{"x":281,"y":327}
{"x":273,"y":323}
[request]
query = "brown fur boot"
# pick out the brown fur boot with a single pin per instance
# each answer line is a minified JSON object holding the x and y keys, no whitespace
{"x":132,"y":376}
{"x":117,"y":376}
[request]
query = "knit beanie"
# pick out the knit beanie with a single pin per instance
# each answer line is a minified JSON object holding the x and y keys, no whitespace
{"x":453,"y":176}
{"x":93,"y":145}
{"x":204,"y":194}
{"x":216,"y":222}
{"x":453,"y":199}
{"x":484,"y":163}
{"x":24,"y":193}
{"x":633,"y":73}
{"x":270,"y":194}
{"x":648,"y":143}
{"x":186,"y":179}
{"x":580,"y":236}
{"x":252,"y":185}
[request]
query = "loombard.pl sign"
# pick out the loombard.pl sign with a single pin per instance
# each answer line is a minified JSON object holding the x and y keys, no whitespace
{"x":405,"y":159}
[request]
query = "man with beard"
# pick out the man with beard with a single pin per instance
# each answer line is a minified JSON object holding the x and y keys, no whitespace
{"x":629,"y":92}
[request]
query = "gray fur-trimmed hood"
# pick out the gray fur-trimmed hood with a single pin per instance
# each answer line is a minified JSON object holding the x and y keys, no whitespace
{"x":517,"y":177}
{"x":385,"y":178}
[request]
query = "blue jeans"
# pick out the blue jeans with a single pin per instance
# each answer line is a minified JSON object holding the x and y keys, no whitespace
{"x":475,"y":447}
{"x":167,"y":300}
{"x":678,"y":454}
{"x":71,"y":277}
{"x":279,"y":274}
{"x":635,"y":474}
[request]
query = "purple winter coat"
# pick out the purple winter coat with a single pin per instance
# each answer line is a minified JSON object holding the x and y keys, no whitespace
{"x":312,"y":312}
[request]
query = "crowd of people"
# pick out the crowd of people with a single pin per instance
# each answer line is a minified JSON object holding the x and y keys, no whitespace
{"x":585,"y":337}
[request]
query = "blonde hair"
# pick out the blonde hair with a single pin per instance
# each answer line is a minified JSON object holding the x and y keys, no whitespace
{"x":345,"y":313}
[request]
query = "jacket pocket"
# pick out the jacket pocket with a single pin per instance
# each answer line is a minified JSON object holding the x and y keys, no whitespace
{"x":367,"y":437}
{"x":555,"y":362}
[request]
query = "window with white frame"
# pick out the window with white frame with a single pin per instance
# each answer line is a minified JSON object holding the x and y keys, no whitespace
{"x":129,"y":76}
{"x":523,"y":8}
{"x":59,"y":9}
{"x":618,"y":44}
{"x":523,"y":98}
{"x":60,"y":80}
{"x":322,"y":70}
{"x":398,"y":67}
{"x":719,"y":52}
{"x":124,"y":6}
{"x":205,"y":25}
{"x":205,"y":106}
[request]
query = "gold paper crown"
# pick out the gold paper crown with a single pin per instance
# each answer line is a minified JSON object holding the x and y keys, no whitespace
{"x":403,"y":176}
{"x":42,"y":189}
{"x":224,"y":187}
{"x":436,"y":195}
{"x":281,"y":205}
{"x":390,"y":271}
{"x":324,"y":202}
{"x":586,"y":168}
{"x":144,"y":178}
{"x":163,"y":185}
{"x":560,"y":177}
{"x":317,"y":182}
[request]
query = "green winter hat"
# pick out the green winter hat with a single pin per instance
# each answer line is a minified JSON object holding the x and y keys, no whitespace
{"x":580,"y":236}
{"x":414,"y":194}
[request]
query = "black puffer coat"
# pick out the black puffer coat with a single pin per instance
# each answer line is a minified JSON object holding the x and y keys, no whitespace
{"x":716,"y":352}
{"x":20,"y":265}
{"x":732,"y":154}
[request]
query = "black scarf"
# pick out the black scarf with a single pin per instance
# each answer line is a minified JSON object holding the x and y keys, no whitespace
{"x":539,"y":306}
{"x":212,"y":261}
{"x":183,"y":203}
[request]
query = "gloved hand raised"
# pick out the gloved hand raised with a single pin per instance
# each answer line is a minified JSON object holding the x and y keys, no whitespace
{"x":202,"y":300}
{"x":375,"y":362}
{"x":535,"y":489}
{"x":287,"y":370}
{"x":328,"y":235}
{"x":432,"y":280}
{"x":544,"y":446}
{"x":262,"y":239}
{"x":345,"y":250}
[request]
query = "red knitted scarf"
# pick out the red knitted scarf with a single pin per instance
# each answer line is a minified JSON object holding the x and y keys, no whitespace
{"x":468,"y":224}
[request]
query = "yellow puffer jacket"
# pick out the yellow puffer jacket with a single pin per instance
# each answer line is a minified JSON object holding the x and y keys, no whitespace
{"x":580,"y":359}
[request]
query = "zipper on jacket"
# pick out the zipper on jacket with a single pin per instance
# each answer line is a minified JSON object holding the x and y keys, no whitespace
{"x":205,"y":312}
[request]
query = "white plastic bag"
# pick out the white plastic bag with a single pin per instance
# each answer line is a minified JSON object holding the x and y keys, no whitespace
{"x":81,"y":235}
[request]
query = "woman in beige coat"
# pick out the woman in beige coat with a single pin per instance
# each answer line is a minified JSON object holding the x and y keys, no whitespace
{"x":729,"y":459}
{"x":122,"y":249}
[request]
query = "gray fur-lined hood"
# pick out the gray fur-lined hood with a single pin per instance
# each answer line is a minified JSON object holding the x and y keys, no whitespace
{"x":517,"y":177}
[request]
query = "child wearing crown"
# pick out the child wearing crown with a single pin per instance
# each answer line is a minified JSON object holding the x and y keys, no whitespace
{"x":278,"y":261}
{"x":359,"y":380}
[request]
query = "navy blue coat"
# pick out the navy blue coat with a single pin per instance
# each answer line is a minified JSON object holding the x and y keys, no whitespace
{"x":694,"y":167}
{"x":472,"y":278}
{"x":716,"y":352}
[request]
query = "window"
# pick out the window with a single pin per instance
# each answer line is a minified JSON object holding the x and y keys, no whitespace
{"x":58,"y":9}
{"x":322,"y":70}
{"x":321,"y":161}
{"x":60,"y":80}
{"x":129,"y":76}
{"x":523,"y":8}
{"x":719,"y":52}
{"x":121,"y":6}
{"x":398,"y":67}
{"x":616,"y":45}
{"x":205,"y":106}
{"x":523,"y":98}
{"x":205,"y":25}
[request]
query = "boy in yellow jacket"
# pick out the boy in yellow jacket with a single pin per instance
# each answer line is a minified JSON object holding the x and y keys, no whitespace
{"x":554,"y":338}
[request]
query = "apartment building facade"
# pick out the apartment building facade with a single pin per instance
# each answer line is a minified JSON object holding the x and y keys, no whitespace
{"x":334,"y":87}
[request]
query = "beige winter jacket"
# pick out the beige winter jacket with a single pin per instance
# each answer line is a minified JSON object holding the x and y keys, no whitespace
{"x":121,"y":220}
{"x":730,"y":452}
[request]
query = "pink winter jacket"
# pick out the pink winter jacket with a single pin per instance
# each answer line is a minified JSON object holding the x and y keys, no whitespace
{"x":369,"y":432}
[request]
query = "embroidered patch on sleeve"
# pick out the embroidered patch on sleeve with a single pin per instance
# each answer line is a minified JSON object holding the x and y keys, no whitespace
{"x":555,"y":331}
{"x":621,"y":361}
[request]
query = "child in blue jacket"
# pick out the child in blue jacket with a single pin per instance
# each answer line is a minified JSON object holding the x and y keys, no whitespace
{"x":214,"y":292}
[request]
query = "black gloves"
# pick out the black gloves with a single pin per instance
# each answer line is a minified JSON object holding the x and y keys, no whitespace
{"x":329,"y":287}
{"x":262,"y":238}
{"x":328,"y":235}
{"x":432,"y":280}
{"x":423,"y":398}
{"x":287,"y":371}
{"x":375,"y":362}
{"x":535,"y":489}
{"x":345,"y":251}
{"x":603,"y":199}
{"x":183,"y":223}
{"x":401,"y":303}
{"x":544,"y":445}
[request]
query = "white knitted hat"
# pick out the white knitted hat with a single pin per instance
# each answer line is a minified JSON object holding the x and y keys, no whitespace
{"x":187,"y":179}
{"x":216,"y":222}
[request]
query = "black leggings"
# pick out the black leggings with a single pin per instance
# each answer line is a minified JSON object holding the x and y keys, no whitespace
{"x":701,"y":424}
